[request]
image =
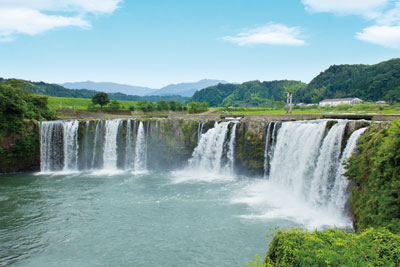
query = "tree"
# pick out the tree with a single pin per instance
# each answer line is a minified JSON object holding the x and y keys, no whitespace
{"x":162,"y":105}
{"x":100,"y":99}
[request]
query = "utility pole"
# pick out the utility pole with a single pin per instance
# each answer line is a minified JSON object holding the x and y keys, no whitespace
{"x":289,"y":101}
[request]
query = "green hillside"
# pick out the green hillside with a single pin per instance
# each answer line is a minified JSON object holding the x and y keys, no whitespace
{"x":253,"y":93}
{"x":368,"y":82}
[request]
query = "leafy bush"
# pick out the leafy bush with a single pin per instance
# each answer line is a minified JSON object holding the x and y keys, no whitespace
{"x":374,"y":247}
{"x":114,"y":105}
{"x":17,"y":104}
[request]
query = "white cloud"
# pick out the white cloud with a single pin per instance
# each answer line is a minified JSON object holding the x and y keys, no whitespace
{"x":386,"y":31}
{"x":272,"y":34}
{"x":388,"y":36}
{"x":37,"y":16}
{"x":390,"y":17}
{"x":367,"y":8}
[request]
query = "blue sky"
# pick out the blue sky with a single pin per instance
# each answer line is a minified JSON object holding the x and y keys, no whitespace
{"x":157,"y":42}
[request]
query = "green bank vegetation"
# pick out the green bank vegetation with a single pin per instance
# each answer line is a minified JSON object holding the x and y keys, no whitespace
{"x":375,"y":172}
{"x":19,"y":135}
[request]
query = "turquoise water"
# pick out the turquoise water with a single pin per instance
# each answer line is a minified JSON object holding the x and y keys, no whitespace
{"x":154,"y":219}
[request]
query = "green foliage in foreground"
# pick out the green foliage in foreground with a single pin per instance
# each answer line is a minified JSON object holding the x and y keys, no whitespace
{"x":374,"y":247}
{"x":18,"y":105}
{"x":375,"y":200}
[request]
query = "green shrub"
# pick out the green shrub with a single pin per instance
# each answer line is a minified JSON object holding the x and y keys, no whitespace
{"x":374,"y":247}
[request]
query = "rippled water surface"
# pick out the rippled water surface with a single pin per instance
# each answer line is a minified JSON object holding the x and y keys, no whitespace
{"x":153,"y":219}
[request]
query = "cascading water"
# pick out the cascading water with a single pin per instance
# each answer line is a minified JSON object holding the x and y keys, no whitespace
{"x":100,"y":147}
{"x":130,"y":150}
{"x":71,"y":145}
{"x":51,"y":146}
{"x":307,"y":162}
{"x":231,"y":149}
{"x":97,"y":145}
{"x":110,"y":155}
{"x":214,"y":157}
{"x":327,"y":164}
{"x":296,"y":153}
{"x":270,"y":137}
{"x":140,"y":150}
{"x":339,"y":194}
{"x":200,"y":131}
{"x":208,"y":153}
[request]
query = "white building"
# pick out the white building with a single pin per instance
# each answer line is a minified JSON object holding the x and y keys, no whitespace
{"x":338,"y":101}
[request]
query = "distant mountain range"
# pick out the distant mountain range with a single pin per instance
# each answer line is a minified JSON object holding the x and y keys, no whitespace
{"x":109,"y":87}
{"x":182,"y":89}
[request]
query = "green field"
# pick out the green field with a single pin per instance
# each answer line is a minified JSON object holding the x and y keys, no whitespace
{"x":80,"y":103}
{"x":367,"y":108}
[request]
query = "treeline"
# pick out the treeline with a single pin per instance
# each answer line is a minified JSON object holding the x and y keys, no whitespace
{"x":368,"y":82}
{"x":42,"y":88}
{"x":251,"y":94}
{"x":163,"y":105}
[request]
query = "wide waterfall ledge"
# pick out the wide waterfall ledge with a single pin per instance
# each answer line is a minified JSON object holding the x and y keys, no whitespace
{"x":302,"y":161}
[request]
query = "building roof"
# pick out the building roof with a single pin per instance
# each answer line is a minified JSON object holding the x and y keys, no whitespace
{"x":340,"y":99}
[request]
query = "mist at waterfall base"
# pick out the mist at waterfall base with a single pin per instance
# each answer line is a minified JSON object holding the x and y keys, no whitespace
{"x":102,"y":205}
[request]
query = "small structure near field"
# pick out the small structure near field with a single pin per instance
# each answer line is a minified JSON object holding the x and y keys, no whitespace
{"x":339,"y":101}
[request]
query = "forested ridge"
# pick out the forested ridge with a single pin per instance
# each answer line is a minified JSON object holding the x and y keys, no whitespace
{"x":253,"y":93}
{"x":368,"y":82}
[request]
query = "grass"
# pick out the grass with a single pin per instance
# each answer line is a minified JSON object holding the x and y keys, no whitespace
{"x":80,"y":103}
{"x":365,"y":108}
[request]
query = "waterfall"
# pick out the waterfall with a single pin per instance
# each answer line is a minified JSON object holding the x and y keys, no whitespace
{"x":110,"y":155}
{"x":51,"y":146}
{"x":339,"y":194}
{"x":296,"y":153}
{"x":70,"y":145}
{"x":108,"y":146}
{"x":85,"y":163}
{"x":306,"y":161}
{"x":140,"y":150}
{"x":231,"y":149}
{"x":208,"y":153}
{"x":200,"y":131}
{"x":270,"y":137}
{"x":98,"y":141}
{"x":129,"y":150}
{"x":327,"y":164}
